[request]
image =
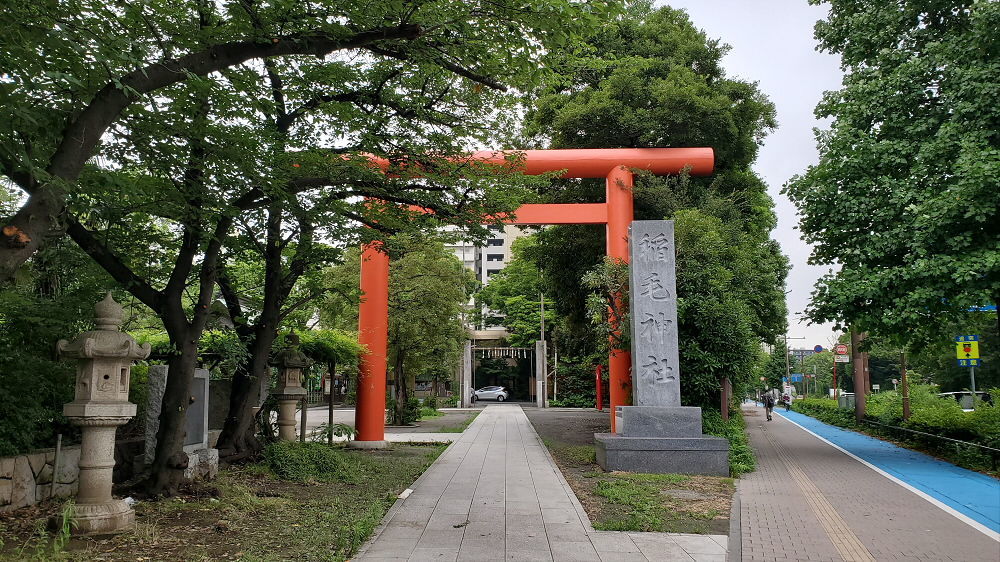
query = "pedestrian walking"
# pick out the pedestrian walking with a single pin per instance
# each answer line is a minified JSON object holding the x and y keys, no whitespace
{"x":768,"y":404}
{"x":788,"y":402}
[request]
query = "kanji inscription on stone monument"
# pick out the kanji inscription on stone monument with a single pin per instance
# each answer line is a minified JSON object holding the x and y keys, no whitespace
{"x":653,"y":299}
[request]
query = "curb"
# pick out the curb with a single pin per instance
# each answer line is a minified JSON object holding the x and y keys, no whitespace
{"x":735,"y":545}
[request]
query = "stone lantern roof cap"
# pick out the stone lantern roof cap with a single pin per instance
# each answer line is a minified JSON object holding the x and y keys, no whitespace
{"x":106,"y":340}
{"x":291,"y":356}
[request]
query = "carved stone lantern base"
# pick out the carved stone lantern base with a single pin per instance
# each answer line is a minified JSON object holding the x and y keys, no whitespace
{"x":96,"y":512}
{"x":113,"y":516}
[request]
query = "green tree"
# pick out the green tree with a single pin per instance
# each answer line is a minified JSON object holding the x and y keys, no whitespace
{"x":656,"y":80}
{"x":905,"y":199}
{"x":512,"y":297}
{"x":773,"y":368}
{"x":75,"y":71}
{"x":428,"y":291}
{"x":53,"y":299}
{"x":158,"y":135}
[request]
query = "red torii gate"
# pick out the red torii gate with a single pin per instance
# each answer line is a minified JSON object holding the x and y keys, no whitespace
{"x":614,"y":164}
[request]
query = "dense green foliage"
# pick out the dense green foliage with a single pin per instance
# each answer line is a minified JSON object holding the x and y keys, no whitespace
{"x":657,"y":81}
{"x":195,"y":147}
{"x":905,"y":199}
{"x":54,"y":299}
{"x":291,"y":460}
{"x":428,"y":291}
{"x":512,"y":297}
{"x":930,"y":414}
{"x":741,"y":457}
{"x":576,"y":381}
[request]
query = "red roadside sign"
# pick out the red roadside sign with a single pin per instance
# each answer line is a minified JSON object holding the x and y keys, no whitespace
{"x":840,"y":349}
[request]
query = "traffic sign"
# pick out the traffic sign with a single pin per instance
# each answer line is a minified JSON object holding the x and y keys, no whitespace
{"x":818,"y":349}
{"x":967,"y":347}
{"x":841,"y":358}
{"x":968,"y":362}
{"x":840,"y":349}
{"x":796,"y":377}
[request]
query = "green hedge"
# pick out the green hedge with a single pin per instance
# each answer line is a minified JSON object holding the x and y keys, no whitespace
{"x":930,"y":413}
{"x":741,"y":457}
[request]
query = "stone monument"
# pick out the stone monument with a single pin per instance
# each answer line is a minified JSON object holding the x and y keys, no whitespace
{"x":203,"y":461}
{"x":657,"y":434}
{"x":100,"y":405}
{"x":289,"y":391}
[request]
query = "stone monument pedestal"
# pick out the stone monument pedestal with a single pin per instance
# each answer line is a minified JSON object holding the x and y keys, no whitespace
{"x":661,"y":440}
{"x":657,"y":434}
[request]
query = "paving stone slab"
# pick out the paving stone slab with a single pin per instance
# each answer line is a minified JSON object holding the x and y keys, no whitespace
{"x":496,"y":494}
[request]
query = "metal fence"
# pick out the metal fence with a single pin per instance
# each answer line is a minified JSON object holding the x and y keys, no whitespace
{"x":985,"y":450}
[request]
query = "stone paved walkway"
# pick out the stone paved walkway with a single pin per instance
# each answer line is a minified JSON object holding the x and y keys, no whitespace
{"x":810,"y":501}
{"x":496,"y":494}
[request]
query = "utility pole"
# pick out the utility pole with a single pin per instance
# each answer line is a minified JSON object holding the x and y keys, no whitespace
{"x":906,"y":387}
{"x":788,"y":368}
{"x":860,"y":362}
{"x":541,"y":303}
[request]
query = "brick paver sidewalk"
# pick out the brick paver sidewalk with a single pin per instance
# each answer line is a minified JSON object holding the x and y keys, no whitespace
{"x":809,"y":501}
{"x":496,"y":494}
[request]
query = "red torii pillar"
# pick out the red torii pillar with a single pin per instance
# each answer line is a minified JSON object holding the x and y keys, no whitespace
{"x":613,"y":164}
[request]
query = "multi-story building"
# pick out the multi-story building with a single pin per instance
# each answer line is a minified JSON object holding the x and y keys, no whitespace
{"x":486,"y":261}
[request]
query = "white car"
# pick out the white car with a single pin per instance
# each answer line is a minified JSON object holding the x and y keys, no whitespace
{"x":497,"y":393}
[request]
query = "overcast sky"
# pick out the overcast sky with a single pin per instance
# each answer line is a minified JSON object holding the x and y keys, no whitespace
{"x":772,"y":44}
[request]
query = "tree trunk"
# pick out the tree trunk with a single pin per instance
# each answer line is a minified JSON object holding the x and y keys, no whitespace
{"x":237,"y":440}
{"x":169,"y":462}
{"x":398,"y":389}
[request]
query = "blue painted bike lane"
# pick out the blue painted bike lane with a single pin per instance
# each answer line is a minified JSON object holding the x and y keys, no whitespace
{"x":974,"y":495}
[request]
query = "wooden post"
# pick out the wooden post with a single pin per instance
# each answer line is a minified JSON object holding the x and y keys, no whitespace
{"x":727,"y":396}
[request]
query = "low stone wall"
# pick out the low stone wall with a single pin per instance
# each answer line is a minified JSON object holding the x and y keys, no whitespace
{"x":28,"y":479}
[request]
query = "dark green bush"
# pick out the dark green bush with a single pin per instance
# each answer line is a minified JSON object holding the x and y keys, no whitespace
{"x":929,"y":414}
{"x":431,"y":402}
{"x":292,"y":460}
{"x":741,"y":457}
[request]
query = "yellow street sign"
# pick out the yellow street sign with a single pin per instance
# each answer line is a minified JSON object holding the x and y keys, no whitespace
{"x":967,"y":350}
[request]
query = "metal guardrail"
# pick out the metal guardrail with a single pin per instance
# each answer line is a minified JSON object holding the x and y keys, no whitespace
{"x":993,"y":452}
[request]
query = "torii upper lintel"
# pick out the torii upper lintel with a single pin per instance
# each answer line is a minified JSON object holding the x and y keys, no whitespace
{"x":613,"y":164}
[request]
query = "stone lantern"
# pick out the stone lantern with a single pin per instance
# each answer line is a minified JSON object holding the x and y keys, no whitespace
{"x":100,"y":405}
{"x":289,"y":390}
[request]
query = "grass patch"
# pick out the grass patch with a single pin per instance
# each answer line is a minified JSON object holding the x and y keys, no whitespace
{"x":427,"y":412}
{"x":640,"y":508}
{"x":259,"y":516}
{"x":578,"y":454}
{"x":459,"y":428}
{"x":673,"y":503}
{"x":291,"y":460}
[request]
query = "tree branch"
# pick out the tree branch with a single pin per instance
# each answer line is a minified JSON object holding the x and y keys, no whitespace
{"x":121,"y":273}
{"x":85,"y":131}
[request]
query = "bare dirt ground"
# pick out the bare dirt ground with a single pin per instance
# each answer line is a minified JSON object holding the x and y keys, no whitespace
{"x":248,"y":514}
{"x":618,"y":501}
